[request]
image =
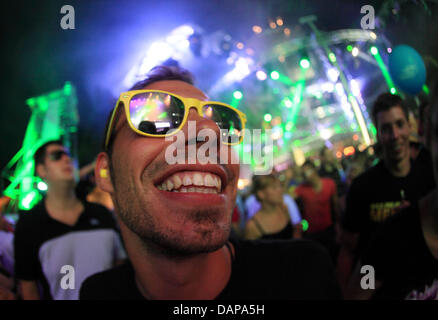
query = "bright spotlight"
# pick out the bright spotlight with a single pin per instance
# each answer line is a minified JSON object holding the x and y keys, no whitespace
{"x":261,"y":75}
{"x":305,"y":63}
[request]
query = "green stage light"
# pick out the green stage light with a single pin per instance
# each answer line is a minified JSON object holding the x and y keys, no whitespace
{"x":275,"y":75}
{"x":349,"y":48}
{"x":426,"y":89}
{"x":393,"y":90}
{"x":305,"y":224}
{"x":237,"y":95}
{"x":374,"y":50}
{"x":332,"y":57}
{"x":305,"y":63}
{"x":267,"y":117}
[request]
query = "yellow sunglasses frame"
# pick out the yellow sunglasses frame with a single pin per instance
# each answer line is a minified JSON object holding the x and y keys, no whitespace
{"x":125,"y":98}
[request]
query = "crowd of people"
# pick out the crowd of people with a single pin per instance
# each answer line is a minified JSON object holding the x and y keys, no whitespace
{"x":146,"y":229}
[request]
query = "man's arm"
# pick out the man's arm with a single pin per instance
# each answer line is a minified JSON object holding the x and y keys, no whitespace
{"x":29,"y":290}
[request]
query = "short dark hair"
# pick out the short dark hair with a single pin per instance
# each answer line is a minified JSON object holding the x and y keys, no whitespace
{"x":309,"y":163}
{"x":158,"y":73}
{"x":261,"y":182}
{"x":322,"y":151}
{"x":386,"y":101}
{"x":40,"y":154}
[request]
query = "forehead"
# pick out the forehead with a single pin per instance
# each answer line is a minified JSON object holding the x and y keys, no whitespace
{"x":178,"y":87}
{"x":391,"y":115}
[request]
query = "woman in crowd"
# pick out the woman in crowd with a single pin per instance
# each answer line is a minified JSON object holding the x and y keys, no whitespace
{"x":272,"y":221}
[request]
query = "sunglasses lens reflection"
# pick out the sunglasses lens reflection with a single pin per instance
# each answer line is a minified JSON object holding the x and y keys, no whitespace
{"x":156,"y":112}
{"x":228,"y":121}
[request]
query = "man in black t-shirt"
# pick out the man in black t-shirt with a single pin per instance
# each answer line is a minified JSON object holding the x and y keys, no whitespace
{"x":404,"y":252}
{"x":394,"y":183}
{"x":63,"y":240}
{"x":175,"y":218}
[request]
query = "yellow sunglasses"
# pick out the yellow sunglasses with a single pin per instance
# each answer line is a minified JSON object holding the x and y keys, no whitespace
{"x":157,"y":113}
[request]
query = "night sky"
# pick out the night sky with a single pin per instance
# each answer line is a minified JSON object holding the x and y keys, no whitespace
{"x":110,"y":36}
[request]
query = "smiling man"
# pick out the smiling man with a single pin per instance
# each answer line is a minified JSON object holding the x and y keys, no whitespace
{"x":175,"y":218}
{"x":394,"y":183}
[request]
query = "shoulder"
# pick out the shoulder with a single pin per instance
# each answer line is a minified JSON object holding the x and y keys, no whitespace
{"x":371,"y":173}
{"x":370,"y":176}
{"x":329,"y":181}
{"x":28,"y":219}
{"x":114,"y":284}
{"x":298,"y":269}
{"x":283,"y":249}
{"x":94,"y":210}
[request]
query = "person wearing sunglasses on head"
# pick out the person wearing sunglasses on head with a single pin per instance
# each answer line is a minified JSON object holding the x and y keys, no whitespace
{"x":175,"y":219}
{"x":62,"y":240}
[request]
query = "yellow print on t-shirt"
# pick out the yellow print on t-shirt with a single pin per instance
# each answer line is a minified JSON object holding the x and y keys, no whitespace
{"x":380,"y":211}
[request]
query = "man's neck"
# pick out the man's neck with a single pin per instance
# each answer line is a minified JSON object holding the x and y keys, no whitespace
{"x":61,"y":196}
{"x":199,"y":276}
{"x":62,"y":204}
{"x":316,"y":184}
{"x":399,"y":168}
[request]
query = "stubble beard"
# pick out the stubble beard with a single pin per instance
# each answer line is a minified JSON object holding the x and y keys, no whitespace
{"x":210,"y":233}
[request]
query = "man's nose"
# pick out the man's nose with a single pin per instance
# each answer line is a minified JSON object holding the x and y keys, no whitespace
{"x":395,"y":132}
{"x":66,"y":158}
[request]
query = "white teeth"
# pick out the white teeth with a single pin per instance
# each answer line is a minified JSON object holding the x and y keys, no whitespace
{"x":177,"y":181}
{"x":190,"y":181}
{"x":187,"y":181}
{"x":169,"y":185}
{"x":197,"y":180}
{"x":209,"y":181}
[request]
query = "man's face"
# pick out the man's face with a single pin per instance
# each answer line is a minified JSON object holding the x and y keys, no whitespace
{"x":309,"y":173}
{"x":58,"y":165}
{"x":195,"y":215}
{"x":273,"y":193}
{"x":327,"y":156}
{"x":393,"y":133}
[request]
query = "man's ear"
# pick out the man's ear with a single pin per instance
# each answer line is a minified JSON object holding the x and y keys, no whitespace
{"x":101,"y":173}
{"x":41,"y":171}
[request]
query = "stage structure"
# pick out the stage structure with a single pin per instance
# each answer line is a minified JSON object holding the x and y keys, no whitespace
{"x":54,"y":116}
{"x":310,"y":87}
